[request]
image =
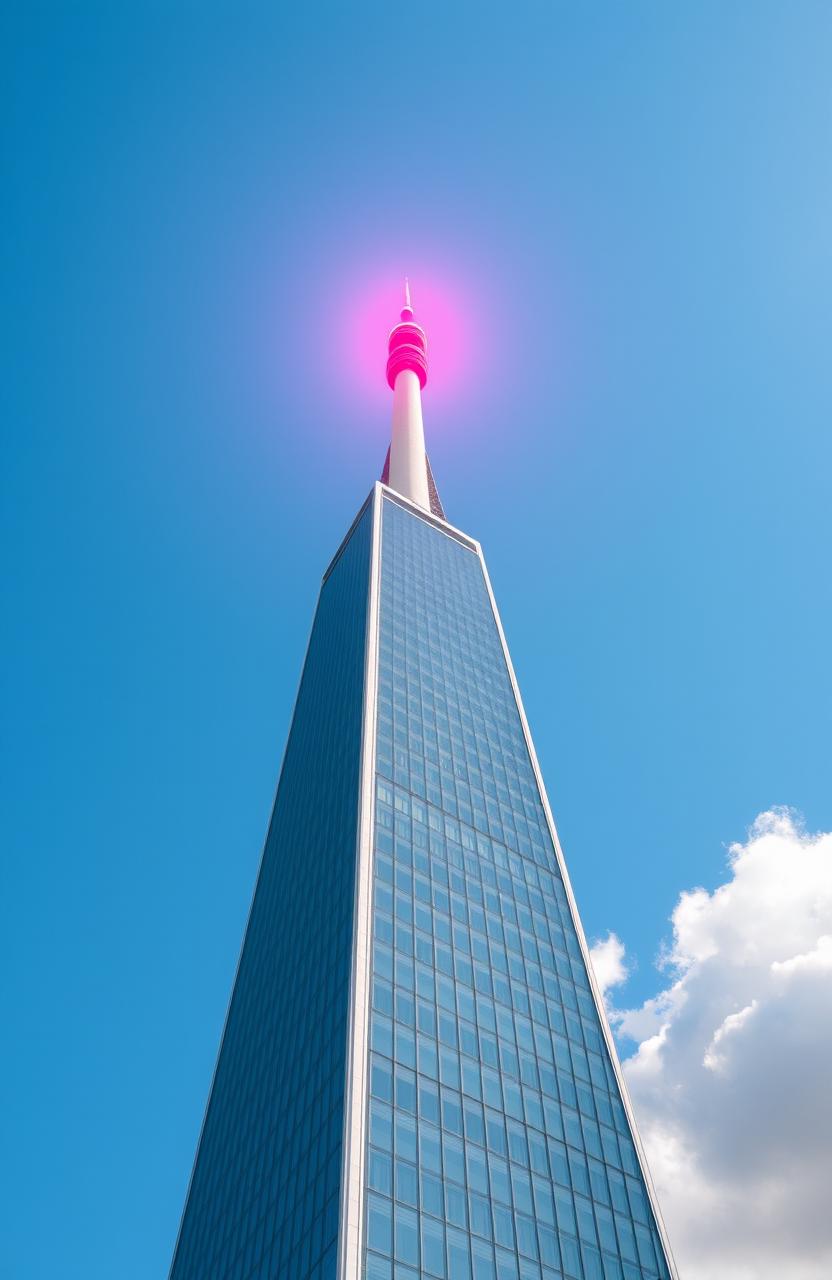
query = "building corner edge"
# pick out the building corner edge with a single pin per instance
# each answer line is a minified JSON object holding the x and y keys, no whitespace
{"x":581,"y":936}
{"x":350,"y":1222}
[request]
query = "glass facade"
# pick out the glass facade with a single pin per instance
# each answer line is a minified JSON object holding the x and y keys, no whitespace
{"x":497,"y":1144}
{"x":264,"y":1196}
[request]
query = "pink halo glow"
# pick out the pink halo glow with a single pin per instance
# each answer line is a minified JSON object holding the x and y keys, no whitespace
{"x":335,"y":317}
{"x":457,"y":333}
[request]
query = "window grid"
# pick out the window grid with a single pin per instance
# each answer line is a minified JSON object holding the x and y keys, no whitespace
{"x":498,"y":1146}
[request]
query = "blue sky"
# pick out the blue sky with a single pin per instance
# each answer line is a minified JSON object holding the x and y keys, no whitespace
{"x":636,"y":204}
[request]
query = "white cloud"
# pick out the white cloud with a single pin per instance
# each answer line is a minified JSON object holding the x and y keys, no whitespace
{"x":715,"y":1060}
{"x":732,"y":1076}
{"x":819,"y":958}
{"x":608,"y":962}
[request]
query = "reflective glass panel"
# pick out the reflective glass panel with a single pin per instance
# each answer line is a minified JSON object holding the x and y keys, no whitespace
{"x":488,"y":1041}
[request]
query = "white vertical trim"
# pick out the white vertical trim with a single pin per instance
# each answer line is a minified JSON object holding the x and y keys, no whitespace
{"x":351,"y":1218}
{"x":576,"y":920}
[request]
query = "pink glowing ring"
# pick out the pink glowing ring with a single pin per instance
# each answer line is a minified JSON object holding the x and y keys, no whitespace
{"x":408,"y":350}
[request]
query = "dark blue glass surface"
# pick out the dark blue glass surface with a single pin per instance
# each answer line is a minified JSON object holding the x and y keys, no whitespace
{"x":498,"y":1145}
{"x":264,"y":1197}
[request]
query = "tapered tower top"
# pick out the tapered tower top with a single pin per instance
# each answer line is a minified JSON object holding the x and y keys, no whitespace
{"x":406,"y":468}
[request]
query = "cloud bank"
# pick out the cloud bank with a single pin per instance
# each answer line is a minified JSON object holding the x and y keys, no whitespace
{"x":731,"y":1079}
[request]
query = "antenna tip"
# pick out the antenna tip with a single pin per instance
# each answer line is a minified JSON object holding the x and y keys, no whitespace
{"x":407,"y":309}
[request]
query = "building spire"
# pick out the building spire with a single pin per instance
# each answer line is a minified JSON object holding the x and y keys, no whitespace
{"x":407,"y":373}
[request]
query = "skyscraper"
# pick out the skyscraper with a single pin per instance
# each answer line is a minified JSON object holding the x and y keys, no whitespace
{"x":416,"y":1079}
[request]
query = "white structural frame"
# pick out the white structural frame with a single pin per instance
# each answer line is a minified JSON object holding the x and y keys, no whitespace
{"x":351,"y":1237}
{"x":354,"y":1144}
